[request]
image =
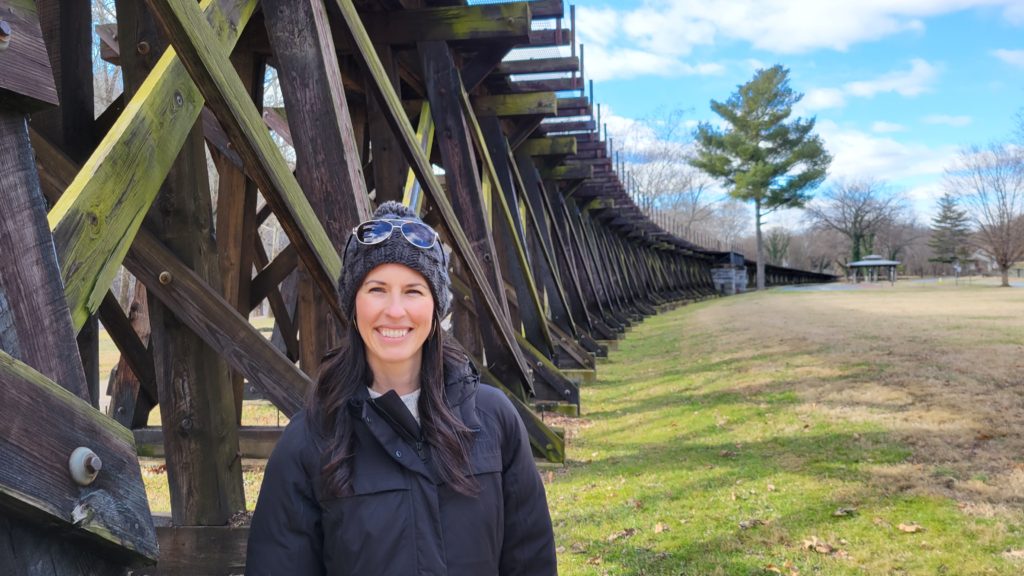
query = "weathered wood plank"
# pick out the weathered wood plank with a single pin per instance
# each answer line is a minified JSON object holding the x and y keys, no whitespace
{"x":569,"y":172}
{"x":420,"y":165}
{"x":548,"y":85}
{"x":540,"y":65}
{"x":29,"y":273}
{"x":539,"y":103}
{"x":95,"y":220}
{"x":26,"y":76}
{"x":272,"y":275}
{"x":206,"y":550}
{"x":550,"y":37}
{"x":550,"y":146}
{"x":253,"y":441}
{"x":509,"y":21}
{"x":34,"y":480}
{"x":209,"y":65}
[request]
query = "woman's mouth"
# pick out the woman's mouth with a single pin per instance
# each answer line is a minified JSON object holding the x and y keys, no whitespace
{"x":393,"y":332}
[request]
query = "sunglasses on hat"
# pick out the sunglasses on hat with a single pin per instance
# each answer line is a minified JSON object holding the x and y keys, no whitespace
{"x":376,"y":231}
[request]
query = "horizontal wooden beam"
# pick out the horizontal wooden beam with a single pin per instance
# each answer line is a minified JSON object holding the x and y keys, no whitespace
{"x":548,"y":85}
{"x":95,"y":220}
{"x":539,"y":65}
{"x":567,"y":126}
{"x":209,"y":550}
{"x":529,"y":104}
{"x":552,"y":146}
{"x":547,"y":9}
{"x":549,"y":37}
{"x":255,"y":442}
{"x":510,"y":22}
{"x":208,"y":64}
{"x":35,"y":481}
{"x":568,"y":172}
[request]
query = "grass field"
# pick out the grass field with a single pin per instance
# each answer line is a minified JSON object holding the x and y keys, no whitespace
{"x":876,"y":432}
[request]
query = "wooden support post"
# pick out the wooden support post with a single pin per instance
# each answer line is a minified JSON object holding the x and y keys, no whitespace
{"x":133,"y":390}
{"x":197,"y":402}
{"x":236,"y":217}
{"x":328,"y":163}
{"x":444,"y":91}
{"x":390,"y":168}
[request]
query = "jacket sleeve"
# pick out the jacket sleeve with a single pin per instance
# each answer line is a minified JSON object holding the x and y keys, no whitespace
{"x":529,"y":545}
{"x":286,"y":535}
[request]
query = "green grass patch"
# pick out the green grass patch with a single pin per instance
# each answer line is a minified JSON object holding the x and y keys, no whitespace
{"x":695,"y":457}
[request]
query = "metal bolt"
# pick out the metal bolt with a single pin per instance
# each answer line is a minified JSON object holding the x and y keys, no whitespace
{"x":5,"y":34}
{"x":165,"y":278}
{"x":84,"y":465}
{"x":93,"y":464}
{"x":179,"y":100}
{"x":142,"y":48}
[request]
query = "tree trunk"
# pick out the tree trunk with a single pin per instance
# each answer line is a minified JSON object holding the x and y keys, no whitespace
{"x":1005,"y":271}
{"x":760,"y":245}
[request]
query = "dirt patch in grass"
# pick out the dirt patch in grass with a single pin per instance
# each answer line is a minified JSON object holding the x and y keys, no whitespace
{"x":939,"y":366}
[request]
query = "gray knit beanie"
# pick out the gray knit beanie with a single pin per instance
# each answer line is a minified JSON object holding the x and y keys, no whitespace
{"x":359,"y":259}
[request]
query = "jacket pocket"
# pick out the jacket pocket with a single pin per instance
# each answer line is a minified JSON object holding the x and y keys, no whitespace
{"x":370,"y":531}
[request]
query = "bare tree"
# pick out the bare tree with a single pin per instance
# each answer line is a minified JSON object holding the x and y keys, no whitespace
{"x":777,"y":246}
{"x":857,"y":209}
{"x":657,"y":153}
{"x":990,"y":181}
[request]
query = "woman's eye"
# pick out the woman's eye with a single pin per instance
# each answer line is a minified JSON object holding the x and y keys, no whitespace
{"x":376,"y":289}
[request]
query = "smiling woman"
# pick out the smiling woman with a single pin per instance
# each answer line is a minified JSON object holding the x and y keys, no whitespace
{"x":402,"y":463}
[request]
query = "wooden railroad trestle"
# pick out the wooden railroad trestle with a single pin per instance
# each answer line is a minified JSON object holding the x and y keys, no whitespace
{"x":552,"y":260}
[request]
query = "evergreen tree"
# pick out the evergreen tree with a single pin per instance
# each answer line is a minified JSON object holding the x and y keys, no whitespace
{"x":950,"y":230}
{"x":761,"y":157}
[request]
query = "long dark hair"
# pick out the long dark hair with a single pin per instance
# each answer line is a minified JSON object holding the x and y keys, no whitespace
{"x":345,"y":368}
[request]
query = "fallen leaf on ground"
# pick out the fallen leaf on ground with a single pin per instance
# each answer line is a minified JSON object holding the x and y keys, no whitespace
{"x":622,"y":534}
{"x":747,"y":524}
{"x":818,"y":545}
{"x":911,"y":527}
{"x":771,"y":487}
{"x":845,"y":512}
{"x":659,"y":528}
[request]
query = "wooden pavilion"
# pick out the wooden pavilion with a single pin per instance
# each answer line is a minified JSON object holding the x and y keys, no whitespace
{"x":552,"y":259}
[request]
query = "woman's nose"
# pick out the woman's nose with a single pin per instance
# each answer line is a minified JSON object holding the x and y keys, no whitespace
{"x":395,"y":308}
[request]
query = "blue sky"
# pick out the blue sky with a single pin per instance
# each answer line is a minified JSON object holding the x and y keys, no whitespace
{"x":897,"y":86}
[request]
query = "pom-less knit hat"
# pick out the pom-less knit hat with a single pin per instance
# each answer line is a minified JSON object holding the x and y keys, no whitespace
{"x":359,"y":259}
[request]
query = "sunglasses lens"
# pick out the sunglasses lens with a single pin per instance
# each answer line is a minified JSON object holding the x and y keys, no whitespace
{"x":419,"y":235}
{"x":374,"y":231}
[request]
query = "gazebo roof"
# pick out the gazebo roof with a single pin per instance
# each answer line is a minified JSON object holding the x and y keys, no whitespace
{"x":873,"y":260}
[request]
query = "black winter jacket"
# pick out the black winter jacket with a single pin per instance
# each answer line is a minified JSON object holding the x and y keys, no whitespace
{"x":402,"y":520}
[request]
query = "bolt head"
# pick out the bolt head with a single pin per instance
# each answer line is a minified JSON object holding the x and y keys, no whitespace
{"x":5,"y":30}
{"x":165,"y":278}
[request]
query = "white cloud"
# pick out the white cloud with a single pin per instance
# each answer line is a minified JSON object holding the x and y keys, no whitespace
{"x":823,"y":98}
{"x":604,"y":64}
{"x":857,"y":154}
{"x":946,"y":119}
{"x":668,"y":30}
{"x":905,"y":83}
{"x":1011,"y":57}
{"x":919,"y":78}
{"x":883,"y":127}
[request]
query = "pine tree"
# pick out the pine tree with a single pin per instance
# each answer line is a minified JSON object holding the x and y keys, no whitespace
{"x":950,"y":230}
{"x":763,"y":156}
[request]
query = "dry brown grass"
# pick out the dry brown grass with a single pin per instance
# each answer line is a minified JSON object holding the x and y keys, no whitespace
{"x":939,"y":365}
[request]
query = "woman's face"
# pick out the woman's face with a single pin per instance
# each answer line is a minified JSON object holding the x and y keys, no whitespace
{"x":394,"y":312}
